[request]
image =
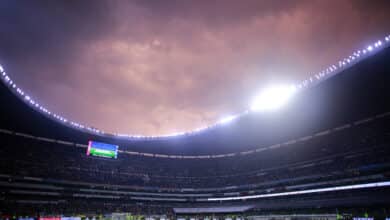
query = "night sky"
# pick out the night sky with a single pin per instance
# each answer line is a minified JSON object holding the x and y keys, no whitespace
{"x":157,"y":67}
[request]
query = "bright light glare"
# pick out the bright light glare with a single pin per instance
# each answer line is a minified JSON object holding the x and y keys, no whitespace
{"x":273,"y":98}
{"x":227,"y":119}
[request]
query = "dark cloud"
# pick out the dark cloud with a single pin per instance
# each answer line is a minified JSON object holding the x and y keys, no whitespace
{"x":47,"y":20}
{"x":155,"y":67}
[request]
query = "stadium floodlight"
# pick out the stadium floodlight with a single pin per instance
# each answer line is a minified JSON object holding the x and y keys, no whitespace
{"x":369,"y":48}
{"x":227,"y":119}
{"x":273,"y":97}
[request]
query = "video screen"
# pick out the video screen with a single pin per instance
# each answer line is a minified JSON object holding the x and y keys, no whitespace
{"x":100,"y":149}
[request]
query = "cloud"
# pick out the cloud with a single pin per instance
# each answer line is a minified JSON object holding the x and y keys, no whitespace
{"x":156,"y":67}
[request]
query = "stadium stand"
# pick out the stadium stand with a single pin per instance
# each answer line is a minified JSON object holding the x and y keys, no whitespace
{"x":328,"y":150}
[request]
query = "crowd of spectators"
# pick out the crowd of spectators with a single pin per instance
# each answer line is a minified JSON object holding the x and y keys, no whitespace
{"x":358,"y":154}
{"x":346,"y":152}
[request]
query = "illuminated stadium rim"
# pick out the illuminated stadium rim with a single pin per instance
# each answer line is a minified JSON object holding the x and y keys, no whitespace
{"x":308,"y":191}
{"x":173,"y":156}
{"x":311,"y":81}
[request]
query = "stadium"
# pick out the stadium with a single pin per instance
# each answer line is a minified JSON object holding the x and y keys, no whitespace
{"x":194,"y":110}
{"x":323,"y":155}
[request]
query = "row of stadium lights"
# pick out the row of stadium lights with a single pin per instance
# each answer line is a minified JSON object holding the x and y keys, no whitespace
{"x":344,"y":62}
{"x":315,"y":78}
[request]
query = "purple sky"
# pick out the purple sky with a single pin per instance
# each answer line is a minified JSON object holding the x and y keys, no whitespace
{"x":157,"y":67}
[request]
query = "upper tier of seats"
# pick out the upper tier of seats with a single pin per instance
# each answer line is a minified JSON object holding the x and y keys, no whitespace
{"x":344,"y":149}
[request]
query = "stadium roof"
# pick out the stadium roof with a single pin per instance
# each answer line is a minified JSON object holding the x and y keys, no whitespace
{"x":349,"y":90}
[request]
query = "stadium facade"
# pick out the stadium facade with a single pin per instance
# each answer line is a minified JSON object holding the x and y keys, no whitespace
{"x":327,"y":150}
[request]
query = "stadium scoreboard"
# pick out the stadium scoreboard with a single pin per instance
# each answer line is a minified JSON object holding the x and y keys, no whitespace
{"x":100,"y":149}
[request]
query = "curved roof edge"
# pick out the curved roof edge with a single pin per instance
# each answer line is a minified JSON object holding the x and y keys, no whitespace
{"x":330,"y":71}
{"x":258,"y":149}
